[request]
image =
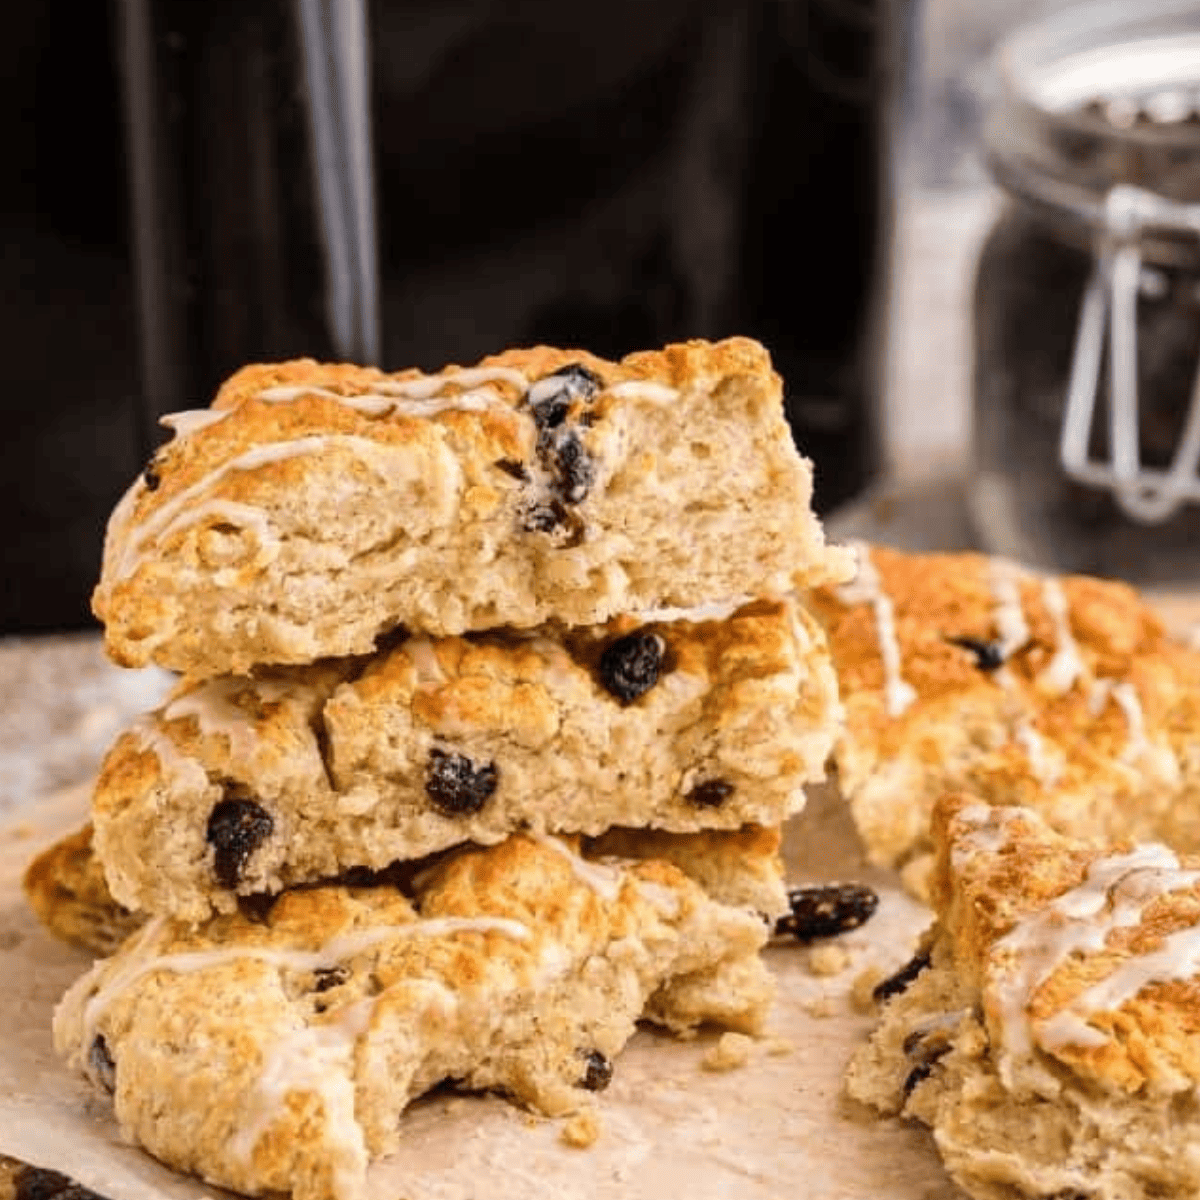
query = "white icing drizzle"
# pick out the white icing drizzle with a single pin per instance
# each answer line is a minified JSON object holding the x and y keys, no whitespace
{"x":187,"y":422}
{"x":185,"y":773}
{"x":1139,"y":749}
{"x":1113,"y":895}
{"x":367,"y":402}
{"x":140,"y":961}
{"x":717,"y":610}
{"x":644,"y":389}
{"x":313,"y":1058}
{"x":166,"y":516}
{"x":243,"y":516}
{"x":1045,"y":761}
{"x":211,"y":705}
{"x":1066,"y":666}
{"x":604,"y":880}
{"x":1004,"y":581}
{"x":422,"y":387}
{"x":1099,"y":694}
{"x":867,"y":588}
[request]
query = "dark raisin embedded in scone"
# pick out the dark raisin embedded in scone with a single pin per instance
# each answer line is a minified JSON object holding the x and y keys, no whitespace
{"x":712,"y":793}
{"x":989,"y":656}
{"x":597,"y":1072}
{"x":572,"y":468}
{"x":826,"y":910}
{"x":325,"y":978}
{"x":512,"y":468}
{"x":893,"y":985}
{"x":236,"y":828}
{"x":572,"y":382}
{"x":456,"y":786}
{"x":630,"y":666}
{"x":151,"y":477}
{"x":101,"y":1064}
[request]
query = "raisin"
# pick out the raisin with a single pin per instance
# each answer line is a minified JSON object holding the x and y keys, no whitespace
{"x":329,"y":977}
{"x":150,"y":477}
{"x":597,"y":1072}
{"x":929,"y":1047}
{"x":630,"y":666}
{"x":827,"y":910}
{"x":456,"y":786}
{"x":40,"y":1183}
{"x":572,"y":382}
{"x":895,"y":984}
{"x":103,"y":1068}
{"x":550,"y":414}
{"x":712,"y":793}
{"x":573,"y":469}
{"x":257,"y":908}
{"x":554,"y":519}
{"x":989,"y":656}
{"x":236,"y":828}
{"x":513,"y":468}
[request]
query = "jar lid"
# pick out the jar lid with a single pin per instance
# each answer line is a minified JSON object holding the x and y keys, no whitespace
{"x":1099,"y":96}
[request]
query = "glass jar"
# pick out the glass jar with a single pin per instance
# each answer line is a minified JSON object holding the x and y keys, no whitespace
{"x":1087,"y":297}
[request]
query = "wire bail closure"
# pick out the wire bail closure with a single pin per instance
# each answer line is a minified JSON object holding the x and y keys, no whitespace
{"x":1146,"y":494}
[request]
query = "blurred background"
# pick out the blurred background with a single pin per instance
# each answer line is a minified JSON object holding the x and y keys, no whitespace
{"x":418,"y":182}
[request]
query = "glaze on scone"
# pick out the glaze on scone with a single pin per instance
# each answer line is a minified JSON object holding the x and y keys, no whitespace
{"x":277,"y":1054}
{"x":1062,"y":694}
{"x":238,"y":785}
{"x":315,"y":507}
{"x":1053,"y":1043}
{"x":65,"y":887}
{"x":743,"y":868}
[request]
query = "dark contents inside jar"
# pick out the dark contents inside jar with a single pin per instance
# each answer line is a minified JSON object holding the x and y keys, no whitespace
{"x":1030,"y":284}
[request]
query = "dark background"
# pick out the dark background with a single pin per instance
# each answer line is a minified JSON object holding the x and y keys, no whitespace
{"x":613,"y":176}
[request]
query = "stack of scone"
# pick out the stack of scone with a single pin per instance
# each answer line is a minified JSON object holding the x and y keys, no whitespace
{"x":494,"y":696}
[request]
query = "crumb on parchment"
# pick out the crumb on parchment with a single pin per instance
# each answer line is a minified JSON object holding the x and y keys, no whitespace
{"x":581,"y":1130}
{"x":862,"y":990}
{"x":729,"y":1051}
{"x":828,"y":959}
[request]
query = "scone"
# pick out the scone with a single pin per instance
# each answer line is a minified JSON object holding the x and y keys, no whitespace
{"x":243,"y":785}
{"x":66,"y":888}
{"x":315,"y":507}
{"x":277,"y":1053}
{"x":1062,"y":694}
{"x":1053,"y":1043}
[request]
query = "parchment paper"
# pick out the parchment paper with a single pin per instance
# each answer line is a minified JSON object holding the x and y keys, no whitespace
{"x":776,"y":1128}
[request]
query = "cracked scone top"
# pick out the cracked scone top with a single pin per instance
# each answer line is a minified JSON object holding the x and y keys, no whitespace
{"x":1064,"y":694}
{"x":243,"y":785}
{"x":315,"y":507}
{"x":1052,"y":1044}
{"x":277,"y":1055}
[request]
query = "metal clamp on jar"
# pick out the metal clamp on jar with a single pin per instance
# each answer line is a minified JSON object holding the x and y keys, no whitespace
{"x":1087,"y":300}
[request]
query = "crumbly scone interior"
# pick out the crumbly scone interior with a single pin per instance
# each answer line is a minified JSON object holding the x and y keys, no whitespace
{"x":277,"y":1053}
{"x":437,"y":742}
{"x":1051,"y":1043}
{"x":1065,"y":695}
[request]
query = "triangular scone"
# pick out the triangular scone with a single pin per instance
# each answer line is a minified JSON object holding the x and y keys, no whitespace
{"x":277,"y":1054}
{"x":246,"y":785}
{"x":66,"y":888}
{"x":1052,"y":1043}
{"x":1062,"y":694}
{"x":315,"y":507}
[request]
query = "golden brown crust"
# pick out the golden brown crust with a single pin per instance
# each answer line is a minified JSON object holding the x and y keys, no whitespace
{"x":1110,"y":754}
{"x":65,"y":887}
